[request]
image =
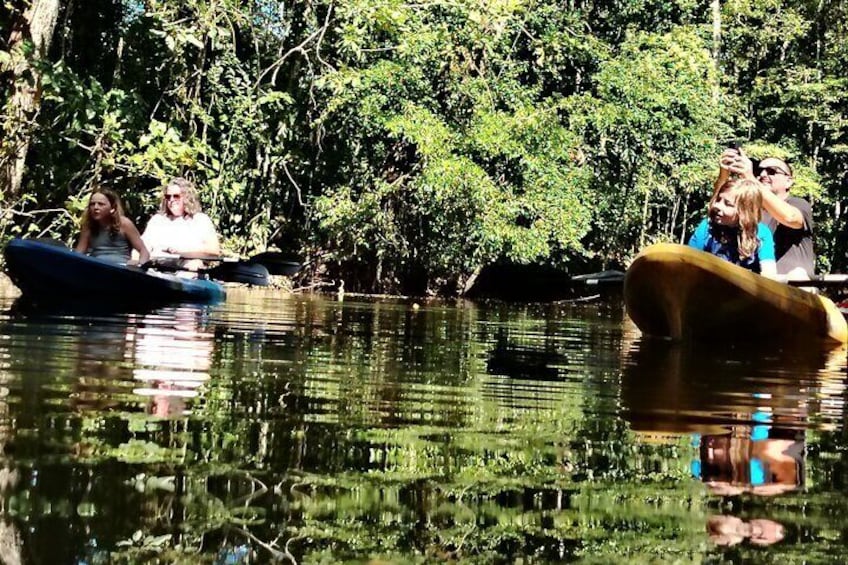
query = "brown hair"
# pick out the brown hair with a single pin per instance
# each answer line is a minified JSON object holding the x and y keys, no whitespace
{"x":188,"y":194}
{"x":749,"y":205}
{"x":115,"y":202}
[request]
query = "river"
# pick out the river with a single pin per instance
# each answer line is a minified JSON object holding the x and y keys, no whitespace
{"x":309,"y":430}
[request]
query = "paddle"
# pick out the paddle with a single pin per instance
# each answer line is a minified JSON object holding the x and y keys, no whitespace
{"x":276,"y":262}
{"x":601,"y":278}
{"x":240,"y":272}
{"x":822,"y":281}
{"x":617,"y":278}
{"x":254,"y":270}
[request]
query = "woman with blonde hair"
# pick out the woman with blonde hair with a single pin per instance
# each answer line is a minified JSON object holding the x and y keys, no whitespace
{"x":180,"y":227}
{"x":733,"y":230}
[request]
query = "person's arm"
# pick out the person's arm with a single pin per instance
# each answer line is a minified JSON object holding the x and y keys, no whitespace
{"x":782,"y":211}
{"x":210,"y":246}
{"x":84,"y":241}
{"x":724,"y":161}
{"x":734,"y":161}
{"x":132,"y":235}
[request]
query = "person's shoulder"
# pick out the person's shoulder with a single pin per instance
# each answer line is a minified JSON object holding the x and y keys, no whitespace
{"x":701,"y":235}
{"x":126,"y":222}
{"x":703,"y":226}
{"x":157,"y":218}
{"x":202,"y":219}
{"x":799,"y":202}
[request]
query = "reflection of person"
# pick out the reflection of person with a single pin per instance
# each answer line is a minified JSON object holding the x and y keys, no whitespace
{"x":730,"y":530}
{"x":180,"y":227}
{"x":790,"y":218}
{"x":172,"y":360}
{"x":761,"y":460}
{"x":733,"y":230}
{"x":766,"y":462}
{"x":106,"y":233}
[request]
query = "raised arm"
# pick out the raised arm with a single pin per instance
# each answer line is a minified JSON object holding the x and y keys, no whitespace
{"x":782,"y":211}
{"x":728,"y":160}
{"x":735,"y":161}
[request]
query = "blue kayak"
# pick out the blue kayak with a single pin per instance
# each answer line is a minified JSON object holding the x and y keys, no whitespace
{"x":51,"y":272}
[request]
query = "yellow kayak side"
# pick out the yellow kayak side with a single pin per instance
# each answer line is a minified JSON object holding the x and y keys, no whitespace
{"x":678,"y":292}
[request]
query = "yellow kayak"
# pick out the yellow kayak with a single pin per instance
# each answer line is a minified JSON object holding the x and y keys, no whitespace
{"x":679,"y":292}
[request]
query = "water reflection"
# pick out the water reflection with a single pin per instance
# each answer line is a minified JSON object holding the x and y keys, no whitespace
{"x":676,"y":388}
{"x":748,"y":414}
{"x":300,"y":428}
{"x":173,"y":354}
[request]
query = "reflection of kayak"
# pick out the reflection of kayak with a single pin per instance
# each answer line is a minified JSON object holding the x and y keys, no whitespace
{"x":682,"y":293}
{"x":49,"y":272}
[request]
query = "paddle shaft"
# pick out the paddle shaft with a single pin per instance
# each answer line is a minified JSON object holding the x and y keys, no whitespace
{"x":820,"y":281}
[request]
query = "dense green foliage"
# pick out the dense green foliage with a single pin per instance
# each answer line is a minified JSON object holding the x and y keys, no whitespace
{"x":403,"y":146}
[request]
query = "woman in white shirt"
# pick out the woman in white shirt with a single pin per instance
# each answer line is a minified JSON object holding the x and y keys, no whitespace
{"x":180,"y":228}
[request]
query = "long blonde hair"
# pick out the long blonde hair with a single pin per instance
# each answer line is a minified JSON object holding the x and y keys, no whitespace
{"x":749,"y":206}
{"x":191,"y":203}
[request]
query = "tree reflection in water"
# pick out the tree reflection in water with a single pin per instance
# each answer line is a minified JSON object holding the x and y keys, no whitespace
{"x":298,"y":428}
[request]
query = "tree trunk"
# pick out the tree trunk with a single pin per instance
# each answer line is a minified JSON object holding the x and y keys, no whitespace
{"x":36,"y":26}
{"x":716,"y":9}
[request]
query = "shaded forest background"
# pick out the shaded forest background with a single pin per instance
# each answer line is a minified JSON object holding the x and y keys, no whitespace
{"x":403,"y":146}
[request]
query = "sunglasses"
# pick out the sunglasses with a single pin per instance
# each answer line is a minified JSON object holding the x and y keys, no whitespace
{"x":772,"y":171}
{"x":173,"y":196}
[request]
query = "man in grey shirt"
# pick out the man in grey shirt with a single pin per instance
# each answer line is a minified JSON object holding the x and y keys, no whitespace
{"x":790,"y":218}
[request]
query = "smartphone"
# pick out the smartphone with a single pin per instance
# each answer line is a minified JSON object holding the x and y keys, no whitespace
{"x":733,"y":144}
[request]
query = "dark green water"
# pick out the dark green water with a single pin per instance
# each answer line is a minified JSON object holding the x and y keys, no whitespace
{"x":308,"y":430}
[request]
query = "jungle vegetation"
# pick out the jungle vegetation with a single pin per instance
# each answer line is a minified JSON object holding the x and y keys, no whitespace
{"x":402,"y":146}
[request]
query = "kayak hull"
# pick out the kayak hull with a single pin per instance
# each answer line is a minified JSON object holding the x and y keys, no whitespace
{"x":677,"y":292}
{"x":53,"y":273}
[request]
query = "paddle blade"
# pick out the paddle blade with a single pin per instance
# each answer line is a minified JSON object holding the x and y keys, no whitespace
{"x":239,"y":272}
{"x":276,"y":263}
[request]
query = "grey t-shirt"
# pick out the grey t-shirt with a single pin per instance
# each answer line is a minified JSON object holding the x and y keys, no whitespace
{"x":793,"y":247}
{"x":114,"y":248}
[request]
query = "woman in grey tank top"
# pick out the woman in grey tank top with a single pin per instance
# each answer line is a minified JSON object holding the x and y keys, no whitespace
{"x":106,"y":233}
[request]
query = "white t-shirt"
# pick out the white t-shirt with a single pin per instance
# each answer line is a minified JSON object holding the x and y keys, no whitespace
{"x":187,"y":233}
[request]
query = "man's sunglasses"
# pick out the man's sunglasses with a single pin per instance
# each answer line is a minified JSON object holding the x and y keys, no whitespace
{"x":772,"y":171}
{"x":173,"y":196}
